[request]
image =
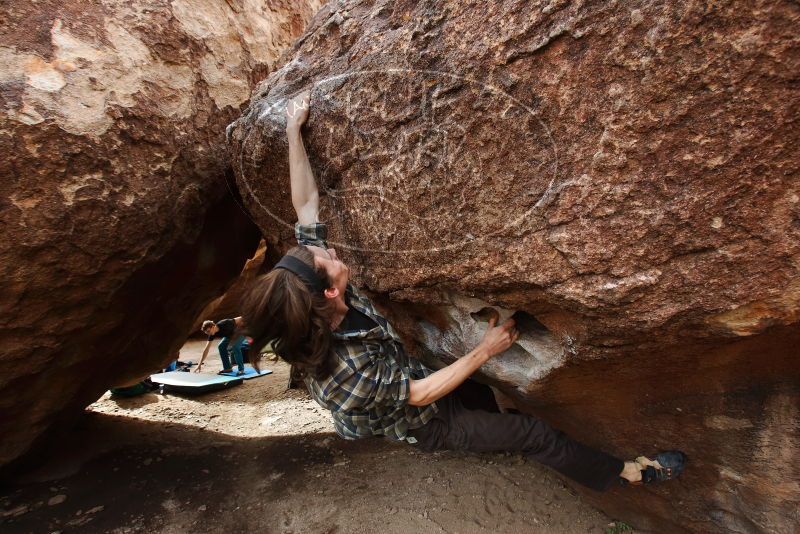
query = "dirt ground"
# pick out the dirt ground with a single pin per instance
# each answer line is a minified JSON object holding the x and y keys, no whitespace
{"x":259,"y":458}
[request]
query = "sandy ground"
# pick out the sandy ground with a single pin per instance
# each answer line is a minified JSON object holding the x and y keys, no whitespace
{"x":259,"y":458}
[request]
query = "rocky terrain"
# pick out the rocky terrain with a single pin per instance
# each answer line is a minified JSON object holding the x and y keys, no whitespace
{"x":619,"y":176}
{"x":259,"y":458}
{"x":118,"y":219}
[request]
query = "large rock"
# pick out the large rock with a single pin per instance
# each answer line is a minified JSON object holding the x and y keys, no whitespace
{"x":117,"y":222}
{"x":622,"y":175}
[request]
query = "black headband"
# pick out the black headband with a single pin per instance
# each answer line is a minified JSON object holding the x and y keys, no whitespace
{"x":303,"y":271}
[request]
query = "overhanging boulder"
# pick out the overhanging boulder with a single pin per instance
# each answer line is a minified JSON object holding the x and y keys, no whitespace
{"x":623,"y":176}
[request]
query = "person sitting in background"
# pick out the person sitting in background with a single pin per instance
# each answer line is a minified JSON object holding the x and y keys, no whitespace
{"x":230,"y":343}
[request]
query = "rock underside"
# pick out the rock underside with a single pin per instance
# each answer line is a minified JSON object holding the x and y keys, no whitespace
{"x":118,"y":221}
{"x":229,"y":304}
{"x":622,"y":178}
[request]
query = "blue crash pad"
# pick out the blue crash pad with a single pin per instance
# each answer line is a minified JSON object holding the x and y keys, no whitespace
{"x":249,"y":373}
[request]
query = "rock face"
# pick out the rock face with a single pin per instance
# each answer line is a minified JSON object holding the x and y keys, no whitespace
{"x":117,"y":223}
{"x":622,"y":176}
{"x":229,"y":304}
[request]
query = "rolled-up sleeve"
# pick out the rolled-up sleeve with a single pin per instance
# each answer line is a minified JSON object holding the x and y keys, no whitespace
{"x":375,"y":382}
{"x":315,"y":234}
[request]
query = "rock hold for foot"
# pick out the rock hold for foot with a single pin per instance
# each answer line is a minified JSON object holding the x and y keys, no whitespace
{"x":118,"y":225}
{"x":622,"y":173}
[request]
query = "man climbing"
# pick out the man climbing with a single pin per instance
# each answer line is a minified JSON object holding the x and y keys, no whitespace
{"x":231,"y":343}
{"x":354,"y":364}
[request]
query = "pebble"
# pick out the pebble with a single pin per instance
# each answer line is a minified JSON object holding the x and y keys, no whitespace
{"x":201,"y":508}
{"x":14,"y":512}
{"x":57,"y":499}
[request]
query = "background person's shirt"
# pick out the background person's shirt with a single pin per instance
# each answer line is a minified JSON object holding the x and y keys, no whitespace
{"x":367,"y":392}
{"x":226,"y":329}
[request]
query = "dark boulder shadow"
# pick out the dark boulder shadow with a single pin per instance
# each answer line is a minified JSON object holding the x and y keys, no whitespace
{"x":140,"y":471}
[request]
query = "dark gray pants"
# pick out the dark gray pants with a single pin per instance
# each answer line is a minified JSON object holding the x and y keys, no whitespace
{"x":481,"y":428}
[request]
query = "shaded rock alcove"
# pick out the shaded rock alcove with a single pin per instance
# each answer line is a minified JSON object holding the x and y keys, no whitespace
{"x":119,"y":222}
{"x":623,"y":173}
{"x":228,"y":304}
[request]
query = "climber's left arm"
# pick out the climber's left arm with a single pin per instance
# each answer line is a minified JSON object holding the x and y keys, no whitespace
{"x":305,"y":195}
{"x":496,"y":340}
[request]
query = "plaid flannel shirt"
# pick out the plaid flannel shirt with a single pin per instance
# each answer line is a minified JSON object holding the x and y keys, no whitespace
{"x":367,"y":393}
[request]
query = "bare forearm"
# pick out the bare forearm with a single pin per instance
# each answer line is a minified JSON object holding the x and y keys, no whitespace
{"x":445,"y":380}
{"x":305,"y":195}
{"x":203,"y":357}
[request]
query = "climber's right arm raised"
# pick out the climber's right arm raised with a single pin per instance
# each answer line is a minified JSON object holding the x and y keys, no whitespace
{"x":305,"y":195}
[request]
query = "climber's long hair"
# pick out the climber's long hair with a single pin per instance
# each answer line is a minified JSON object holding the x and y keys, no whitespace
{"x":280,"y":309}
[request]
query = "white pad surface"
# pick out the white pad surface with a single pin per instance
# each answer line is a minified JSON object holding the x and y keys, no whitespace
{"x":182,"y":378}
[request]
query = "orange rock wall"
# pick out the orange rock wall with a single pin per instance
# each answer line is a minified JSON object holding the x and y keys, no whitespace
{"x":623,"y":176}
{"x":118,"y":221}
